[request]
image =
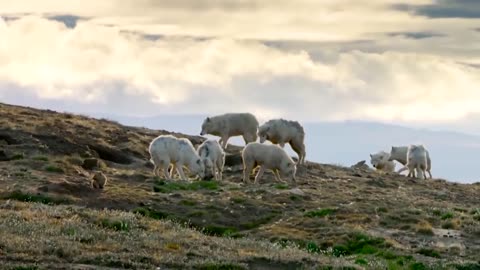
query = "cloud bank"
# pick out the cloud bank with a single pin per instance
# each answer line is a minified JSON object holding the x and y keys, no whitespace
{"x":335,"y":61}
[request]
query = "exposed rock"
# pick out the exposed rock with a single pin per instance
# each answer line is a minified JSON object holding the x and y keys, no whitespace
{"x":90,"y":163}
{"x":360,"y":165}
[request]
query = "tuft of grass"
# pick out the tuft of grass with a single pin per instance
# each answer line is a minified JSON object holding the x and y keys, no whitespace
{"x":76,"y":161}
{"x":25,"y":268}
{"x":388,"y":255}
{"x":382,"y":210}
{"x":167,"y":187}
{"x":320,"y":213}
{"x":418,"y":266}
{"x":40,"y":158}
{"x":429,"y":252}
{"x":26,"y":197}
{"x":424,"y":227}
{"x":188,"y":202}
{"x":151,"y":213}
{"x":213,"y":230}
{"x":448,"y":215}
{"x":475,"y":213}
{"x":468,"y":266}
{"x":238,"y":200}
{"x":281,"y":186}
{"x":117,"y":225}
{"x":54,"y":169}
{"x":258,"y":222}
{"x":359,"y":244}
{"x":361,"y":261}
{"x":172,"y":246}
{"x":197,"y":214}
{"x":312,"y":247}
{"x":452,"y":224}
{"x":295,"y":198}
{"x":227,"y":266}
{"x":17,"y":157}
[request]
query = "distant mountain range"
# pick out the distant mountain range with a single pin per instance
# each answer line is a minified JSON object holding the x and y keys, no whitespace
{"x":454,"y":155}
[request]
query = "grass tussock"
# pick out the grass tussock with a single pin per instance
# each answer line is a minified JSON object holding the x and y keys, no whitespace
{"x":170,"y":186}
{"x":320,"y":212}
{"x":424,"y":227}
{"x":54,"y":169}
{"x":39,"y":198}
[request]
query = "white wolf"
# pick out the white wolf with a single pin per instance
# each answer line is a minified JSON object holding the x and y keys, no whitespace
{"x":213,"y":158}
{"x":231,"y":124}
{"x":280,"y":131}
{"x":399,"y":153}
{"x":380,"y":162}
{"x":167,"y":149}
{"x":267,"y":156}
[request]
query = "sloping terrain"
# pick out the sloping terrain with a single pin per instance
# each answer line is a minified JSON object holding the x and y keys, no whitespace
{"x":333,"y":217}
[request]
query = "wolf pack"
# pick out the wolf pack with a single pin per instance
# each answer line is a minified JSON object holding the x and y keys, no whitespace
{"x":170,"y":154}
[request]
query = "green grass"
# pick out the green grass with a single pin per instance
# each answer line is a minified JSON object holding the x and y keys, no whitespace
{"x":429,"y":252}
{"x":418,"y":266}
{"x":151,"y":213}
{"x":117,"y":225}
{"x":167,"y":187}
{"x":382,"y":209}
{"x":188,"y":202}
{"x":359,"y":244}
{"x":361,"y":261}
{"x":213,"y":230}
{"x":220,"y":267}
{"x":54,"y":169}
{"x":320,"y":213}
{"x":17,"y":157}
{"x":447,"y":216}
{"x":238,"y":200}
{"x":258,"y":222}
{"x":25,"y":268}
{"x":26,"y":197}
{"x":40,"y":158}
{"x":295,"y":198}
{"x":470,"y":266}
{"x":281,"y":186}
{"x":476,"y":214}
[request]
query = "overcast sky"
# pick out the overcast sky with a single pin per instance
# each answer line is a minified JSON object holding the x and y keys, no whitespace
{"x":414,"y":62}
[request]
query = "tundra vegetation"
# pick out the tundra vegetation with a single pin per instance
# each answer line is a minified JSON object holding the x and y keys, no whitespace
{"x":332,"y":217}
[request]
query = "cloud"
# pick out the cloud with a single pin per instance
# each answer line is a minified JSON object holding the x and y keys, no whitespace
{"x":444,"y":9}
{"x":99,"y":68}
{"x":70,"y":21}
{"x":305,"y":20}
{"x":416,"y":35}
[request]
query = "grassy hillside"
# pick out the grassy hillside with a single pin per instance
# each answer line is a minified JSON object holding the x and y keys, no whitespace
{"x":335,"y":217}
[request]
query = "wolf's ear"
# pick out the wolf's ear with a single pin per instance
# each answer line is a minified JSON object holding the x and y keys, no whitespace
{"x":208,"y":119}
{"x":371,"y":155}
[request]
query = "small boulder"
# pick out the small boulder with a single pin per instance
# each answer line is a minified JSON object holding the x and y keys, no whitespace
{"x":90,"y":163}
{"x":360,"y":165}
